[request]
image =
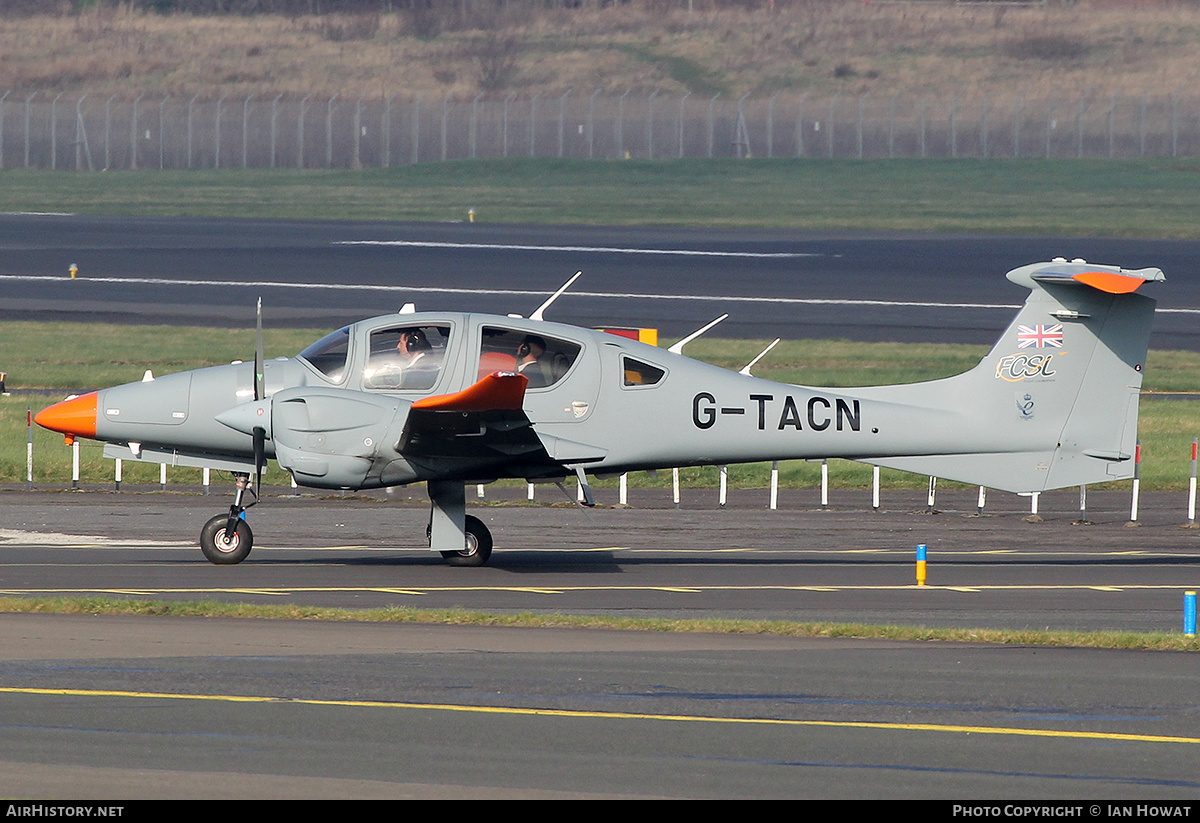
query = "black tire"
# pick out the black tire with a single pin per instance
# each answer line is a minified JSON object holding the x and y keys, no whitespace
{"x":221,"y":550}
{"x":478,"y":548}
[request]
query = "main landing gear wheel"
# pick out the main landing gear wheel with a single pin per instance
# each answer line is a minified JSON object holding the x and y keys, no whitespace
{"x":478,"y":548}
{"x":220,"y":548}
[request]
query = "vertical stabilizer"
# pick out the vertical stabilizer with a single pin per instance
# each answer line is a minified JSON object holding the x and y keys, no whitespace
{"x":1055,"y":402}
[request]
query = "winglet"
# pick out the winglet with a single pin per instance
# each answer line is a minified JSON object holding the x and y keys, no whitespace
{"x":498,"y":390}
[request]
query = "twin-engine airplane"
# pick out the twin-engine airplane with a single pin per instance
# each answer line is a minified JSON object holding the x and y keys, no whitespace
{"x":460,"y":399}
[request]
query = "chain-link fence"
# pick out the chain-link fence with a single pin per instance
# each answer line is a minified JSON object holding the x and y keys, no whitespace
{"x":37,"y":130}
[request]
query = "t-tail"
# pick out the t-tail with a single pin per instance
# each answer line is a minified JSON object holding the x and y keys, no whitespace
{"x":1055,"y":403}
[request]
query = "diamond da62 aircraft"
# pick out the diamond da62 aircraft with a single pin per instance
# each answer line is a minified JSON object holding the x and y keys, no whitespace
{"x":459,"y":399}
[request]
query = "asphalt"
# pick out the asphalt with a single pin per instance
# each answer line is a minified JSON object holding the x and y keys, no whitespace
{"x":123,"y":708}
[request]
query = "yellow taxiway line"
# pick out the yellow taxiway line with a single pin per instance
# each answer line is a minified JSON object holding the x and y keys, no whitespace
{"x":568,"y":713}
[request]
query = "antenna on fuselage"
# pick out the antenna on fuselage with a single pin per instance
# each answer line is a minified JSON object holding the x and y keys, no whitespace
{"x":678,"y":347}
{"x":537,"y":315}
{"x":750,"y":365}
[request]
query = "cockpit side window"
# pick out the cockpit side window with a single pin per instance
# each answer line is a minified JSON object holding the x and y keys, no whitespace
{"x":637,"y":373}
{"x":406,"y":357}
{"x":544,"y":360}
{"x":328,"y":355}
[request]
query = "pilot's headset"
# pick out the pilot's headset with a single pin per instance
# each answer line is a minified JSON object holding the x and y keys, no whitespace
{"x":417,"y":341}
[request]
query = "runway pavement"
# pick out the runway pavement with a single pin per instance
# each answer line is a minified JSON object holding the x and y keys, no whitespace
{"x":896,"y":287}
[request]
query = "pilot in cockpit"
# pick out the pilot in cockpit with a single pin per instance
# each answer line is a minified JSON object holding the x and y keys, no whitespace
{"x":412,"y":363}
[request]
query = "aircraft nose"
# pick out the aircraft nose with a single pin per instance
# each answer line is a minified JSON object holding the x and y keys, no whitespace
{"x":76,"y":416}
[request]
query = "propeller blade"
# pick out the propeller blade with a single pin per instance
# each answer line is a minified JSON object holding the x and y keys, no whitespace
{"x":260,"y":437}
{"x":259,"y":377}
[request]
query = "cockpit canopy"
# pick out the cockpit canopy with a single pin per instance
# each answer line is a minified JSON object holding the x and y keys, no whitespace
{"x":391,"y":355}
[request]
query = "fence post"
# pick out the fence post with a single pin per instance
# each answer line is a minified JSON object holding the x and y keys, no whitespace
{"x":861,"y":98}
{"x":356,"y":163}
{"x":217,"y":160}
{"x":824,"y":484}
{"x":1050,"y":123}
{"x":475,"y":127}
{"x":162,"y":133}
{"x":1112,"y":109}
{"x":54,"y":132}
{"x":924,"y":102}
{"x":1079,"y":127}
{"x":329,"y":131}
{"x":29,"y":450}
{"x":987,"y":107}
{"x":954,"y":126}
{"x":533,"y":124}
{"x":246,"y":131}
{"x":189,"y":160}
{"x":771,"y":126}
{"x":505,"y":140}
{"x":386,"y":128}
{"x":300,"y":132}
{"x":621,"y":125}
{"x":445,"y":123}
{"x":774,"y":485}
{"x":416,"y":129}
{"x":650,"y":125}
{"x":274,"y":126}
{"x":1142,"y":127}
{"x":133,"y":132}
{"x":711,"y":103}
{"x":1137,"y":481}
{"x":591,"y":125}
{"x":800,"y":126}
{"x":27,"y":99}
{"x":1191,"y":509}
{"x":682,"y":100}
{"x":1017,"y":125}
{"x":892,"y":127}
{"x":562,"y":107}
{"x":6,"y":94}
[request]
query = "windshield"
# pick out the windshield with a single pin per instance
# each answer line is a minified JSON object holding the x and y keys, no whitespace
{"x":328,"y":355}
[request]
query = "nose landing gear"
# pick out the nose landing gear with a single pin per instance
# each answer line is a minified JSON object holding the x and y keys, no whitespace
{"x":226,"y":538}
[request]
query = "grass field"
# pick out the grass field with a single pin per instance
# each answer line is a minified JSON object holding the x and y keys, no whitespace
{"x":1118,"y":198}
{"x":42,"y":355}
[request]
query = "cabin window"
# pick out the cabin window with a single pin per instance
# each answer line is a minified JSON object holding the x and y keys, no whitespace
{"x":637,"y":373}
{"x":328,"y":355}
{"x":544,"y":360}
{"x":406,"y":358}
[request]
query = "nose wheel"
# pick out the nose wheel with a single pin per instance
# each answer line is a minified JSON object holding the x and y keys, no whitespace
{"x":222,"y":546}
{"x":226,"y":538}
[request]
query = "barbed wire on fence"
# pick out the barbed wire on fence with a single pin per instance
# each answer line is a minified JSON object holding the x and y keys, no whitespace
{"x":85,"y":133}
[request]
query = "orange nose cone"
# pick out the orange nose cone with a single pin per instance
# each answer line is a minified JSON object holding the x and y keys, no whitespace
{"x":75,"y":416}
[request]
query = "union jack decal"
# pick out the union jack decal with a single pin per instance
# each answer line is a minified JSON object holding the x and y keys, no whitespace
{"x":1040,"y":337}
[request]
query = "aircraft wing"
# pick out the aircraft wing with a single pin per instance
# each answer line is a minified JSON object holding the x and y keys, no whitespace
{"x":484,"y":429}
